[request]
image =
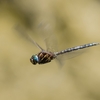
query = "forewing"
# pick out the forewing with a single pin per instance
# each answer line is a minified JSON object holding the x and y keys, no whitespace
{"x":28,"y":37}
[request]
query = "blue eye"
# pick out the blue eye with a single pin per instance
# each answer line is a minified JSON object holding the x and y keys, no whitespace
{"x":35,"y":57}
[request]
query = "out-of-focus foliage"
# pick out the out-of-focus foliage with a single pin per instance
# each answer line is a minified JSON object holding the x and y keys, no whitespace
{"x":73,"y":22}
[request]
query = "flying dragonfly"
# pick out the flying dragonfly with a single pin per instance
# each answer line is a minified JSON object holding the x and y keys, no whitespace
{"x":46,"y":56}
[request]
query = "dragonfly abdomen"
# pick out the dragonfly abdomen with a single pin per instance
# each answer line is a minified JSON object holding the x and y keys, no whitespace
{"x":76,"y":48}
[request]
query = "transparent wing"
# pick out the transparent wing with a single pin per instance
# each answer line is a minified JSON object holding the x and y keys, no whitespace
{"x":47,"y":33}
{"x":22,"y":32}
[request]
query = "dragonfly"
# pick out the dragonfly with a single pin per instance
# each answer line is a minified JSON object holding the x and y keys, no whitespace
{"x":46,"y":56}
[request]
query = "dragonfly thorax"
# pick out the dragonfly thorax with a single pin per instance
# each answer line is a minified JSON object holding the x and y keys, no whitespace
{"x":42,"y":57}
{"x":34,"y":59}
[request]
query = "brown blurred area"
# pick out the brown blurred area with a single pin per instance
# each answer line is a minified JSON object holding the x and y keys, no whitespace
{"x":74,"y":22}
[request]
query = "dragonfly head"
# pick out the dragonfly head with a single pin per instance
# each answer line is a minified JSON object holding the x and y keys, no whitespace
{"x":34,"y":59}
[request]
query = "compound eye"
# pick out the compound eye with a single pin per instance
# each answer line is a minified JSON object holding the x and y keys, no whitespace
{"x":34,"y":59}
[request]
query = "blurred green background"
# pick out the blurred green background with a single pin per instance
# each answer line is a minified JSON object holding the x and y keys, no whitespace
{"x":73,"y":22}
